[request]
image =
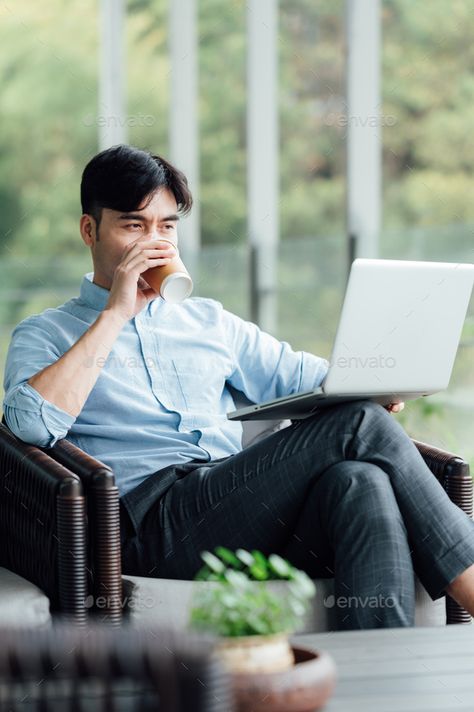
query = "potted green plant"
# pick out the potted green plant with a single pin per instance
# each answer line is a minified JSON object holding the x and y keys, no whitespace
{"x":252,"y":621}
{"x":238,"y":600}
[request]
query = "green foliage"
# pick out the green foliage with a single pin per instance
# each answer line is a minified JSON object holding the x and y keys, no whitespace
{"x":49,"y":115}
{"x":428,"y":91}
{"x":49,"y":94}
{"x":237,"y":602}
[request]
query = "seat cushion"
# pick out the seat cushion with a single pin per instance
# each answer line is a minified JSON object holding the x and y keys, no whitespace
{"x":168,"y":602}
{"x":22,"y":603}
{"x":255,"y":430}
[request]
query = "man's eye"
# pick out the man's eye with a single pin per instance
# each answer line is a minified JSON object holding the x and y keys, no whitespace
{"x":133,"y":225}
{"x":170,"y":227}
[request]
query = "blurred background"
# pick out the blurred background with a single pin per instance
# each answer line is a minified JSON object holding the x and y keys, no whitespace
{"x":59,"y":59}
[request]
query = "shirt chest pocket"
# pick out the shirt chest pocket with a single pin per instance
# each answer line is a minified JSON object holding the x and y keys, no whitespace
{"x":199,"y":382}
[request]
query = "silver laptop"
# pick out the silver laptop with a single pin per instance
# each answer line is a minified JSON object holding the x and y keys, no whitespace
{"x":397,"y":337}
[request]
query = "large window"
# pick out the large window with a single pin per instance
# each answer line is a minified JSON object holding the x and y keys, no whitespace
{"x":48,"y":114}
{"x":50,"y":119}
{"x":428,"y":93}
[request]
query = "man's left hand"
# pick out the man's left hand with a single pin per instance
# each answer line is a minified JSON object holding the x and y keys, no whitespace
{"x":395,"y":407}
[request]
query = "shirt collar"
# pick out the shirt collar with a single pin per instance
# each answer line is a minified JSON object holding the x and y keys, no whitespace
{"x":93,"y":295}
{"x":97,"y":297}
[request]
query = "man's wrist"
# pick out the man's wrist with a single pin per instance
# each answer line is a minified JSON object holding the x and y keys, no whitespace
{"x":114,"y":317}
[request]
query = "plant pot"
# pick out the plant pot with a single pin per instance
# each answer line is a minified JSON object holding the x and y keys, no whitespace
{"x":251,"y":654}
{"x":304,"y":687}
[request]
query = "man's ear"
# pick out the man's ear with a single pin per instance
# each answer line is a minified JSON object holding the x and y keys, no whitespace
{"x":88,"y":229}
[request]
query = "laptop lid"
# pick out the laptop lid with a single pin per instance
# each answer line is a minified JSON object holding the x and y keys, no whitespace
{"x":400,"y":326}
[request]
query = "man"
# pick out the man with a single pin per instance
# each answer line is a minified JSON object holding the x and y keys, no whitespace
{"x":143,"y":386}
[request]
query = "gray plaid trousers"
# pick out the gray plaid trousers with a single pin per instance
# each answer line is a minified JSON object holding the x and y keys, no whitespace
{"x":342,"y":494}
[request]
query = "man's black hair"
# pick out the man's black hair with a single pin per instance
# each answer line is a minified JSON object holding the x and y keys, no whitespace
{"x":122,"y":177}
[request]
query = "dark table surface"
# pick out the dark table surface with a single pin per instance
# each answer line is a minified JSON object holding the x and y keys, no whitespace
{"x":400,"y":669}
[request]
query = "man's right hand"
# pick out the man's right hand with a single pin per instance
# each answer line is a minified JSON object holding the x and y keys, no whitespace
{"x":68,"y":381}
{"x":129,"y":292}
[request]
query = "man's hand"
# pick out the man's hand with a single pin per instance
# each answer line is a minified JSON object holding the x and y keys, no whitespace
{"x":68,"y":381}
{"x":129,"y":292}
{"x":395,"y":407}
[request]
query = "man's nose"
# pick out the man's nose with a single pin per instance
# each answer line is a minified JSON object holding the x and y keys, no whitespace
{"x":154,"y":234}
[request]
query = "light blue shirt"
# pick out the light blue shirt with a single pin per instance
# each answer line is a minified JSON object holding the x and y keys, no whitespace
{"x":161,"y":397}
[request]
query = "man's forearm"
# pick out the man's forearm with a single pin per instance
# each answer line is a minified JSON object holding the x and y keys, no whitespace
{"x":68,"y":382}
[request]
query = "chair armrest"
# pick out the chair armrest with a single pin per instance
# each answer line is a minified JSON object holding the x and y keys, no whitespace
{"x":454,"y":474}
{"x":103,"y":510}
{"x":42,"y":525}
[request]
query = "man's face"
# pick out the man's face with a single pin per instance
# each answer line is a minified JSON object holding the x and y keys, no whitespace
{"x":118,"y":230}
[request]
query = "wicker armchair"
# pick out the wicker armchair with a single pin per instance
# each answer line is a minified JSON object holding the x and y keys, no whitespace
{"x":60,"y":528}
{"x":43,"y":525}
{"x":98,"y":668}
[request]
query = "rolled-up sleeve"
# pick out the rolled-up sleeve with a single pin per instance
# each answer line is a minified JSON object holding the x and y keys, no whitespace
{"x":28,"y":415}
{"x":266,"y":368}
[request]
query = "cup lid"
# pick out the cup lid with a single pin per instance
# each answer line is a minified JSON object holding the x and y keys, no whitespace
{"x":176,"y":287}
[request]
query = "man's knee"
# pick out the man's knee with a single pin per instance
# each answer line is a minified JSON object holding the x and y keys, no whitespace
{"x":369,"y":410}
{"x":373,"y":424}
{"x":352,"y":416}
{"x":361,"y":485}
{"x":359,"y":491}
